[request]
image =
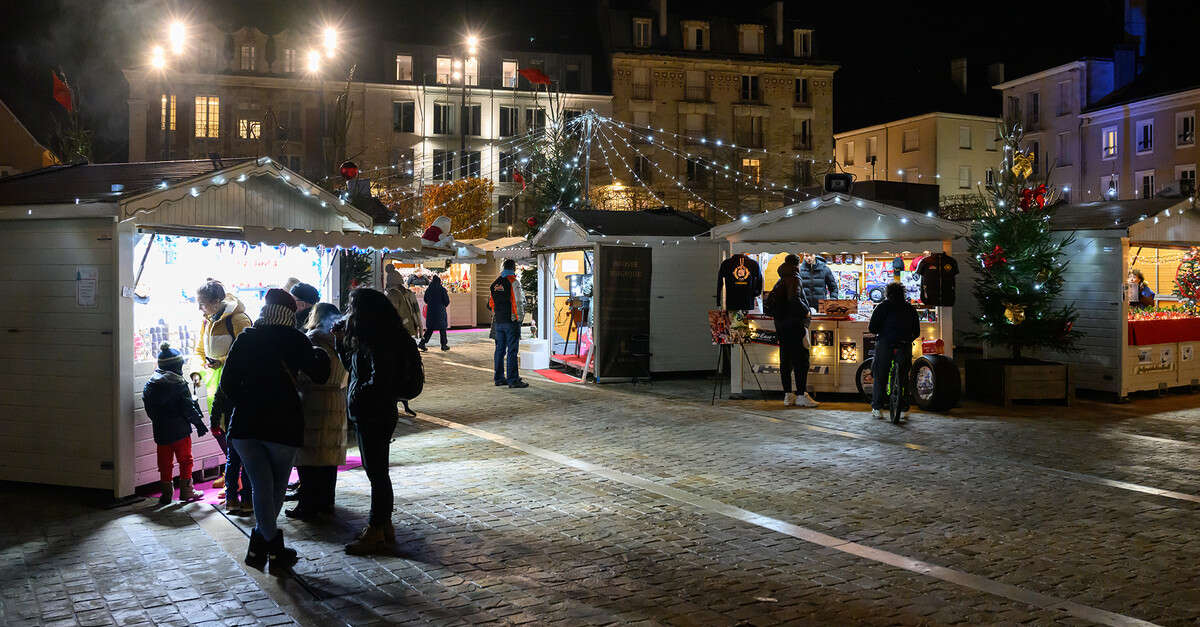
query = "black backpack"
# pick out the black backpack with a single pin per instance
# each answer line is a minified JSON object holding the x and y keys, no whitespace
{"x":775,"y":304}
{"x":410,"y":372}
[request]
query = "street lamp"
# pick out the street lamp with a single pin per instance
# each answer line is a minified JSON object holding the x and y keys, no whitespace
{"x":314,"y":61}
{"x":176,"y":35}
{"x":158,"y":59}
{"x":330,"y":37}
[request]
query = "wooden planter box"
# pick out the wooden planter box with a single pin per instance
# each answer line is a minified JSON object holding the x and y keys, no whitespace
{"x":1002,"y":381}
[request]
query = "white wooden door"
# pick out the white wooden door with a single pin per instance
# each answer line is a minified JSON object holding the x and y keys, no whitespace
{"x":683,"y":287}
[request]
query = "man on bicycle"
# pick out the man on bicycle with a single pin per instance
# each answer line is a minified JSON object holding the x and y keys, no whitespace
{"x":895,"y":326}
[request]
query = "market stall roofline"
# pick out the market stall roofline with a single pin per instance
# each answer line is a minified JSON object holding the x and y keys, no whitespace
{"x":98,"y":182}
{"x":1115,"y":214}
{"x":839,"y":202}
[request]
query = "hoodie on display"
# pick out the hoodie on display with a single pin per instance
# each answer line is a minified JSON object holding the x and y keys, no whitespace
{"x":818,"y":281}
{"x":742,"y":280}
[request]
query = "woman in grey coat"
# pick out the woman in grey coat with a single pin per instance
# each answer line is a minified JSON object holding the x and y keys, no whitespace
{"x":324,"y":423}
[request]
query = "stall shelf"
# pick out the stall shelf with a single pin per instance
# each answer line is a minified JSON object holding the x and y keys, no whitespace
{"x":835,"y":225}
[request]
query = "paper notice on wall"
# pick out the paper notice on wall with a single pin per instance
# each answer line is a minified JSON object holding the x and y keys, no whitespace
{"x":1185,"y":352}
{"x":86,"y":278}
{"x":570,"y":266}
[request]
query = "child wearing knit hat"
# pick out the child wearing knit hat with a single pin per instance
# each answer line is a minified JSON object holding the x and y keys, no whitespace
{"x":173,"y":412}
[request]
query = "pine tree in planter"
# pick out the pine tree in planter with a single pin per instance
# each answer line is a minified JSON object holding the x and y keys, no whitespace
{"x":1021,"y":262}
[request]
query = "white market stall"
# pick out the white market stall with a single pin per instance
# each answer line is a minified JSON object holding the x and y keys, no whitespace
{"x":631,"y":286}
{"x":80,"y":341}
{"x":453,"y":261}
{"x":861,"y":238}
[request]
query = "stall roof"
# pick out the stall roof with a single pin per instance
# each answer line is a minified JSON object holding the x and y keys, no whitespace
{"x":663,"y":221}
{"x":105,"y":182}
{"x":489,"y":245}
{"x":521,"y":252}
{"x":1110,"y":214}
{"x":840,"y":220}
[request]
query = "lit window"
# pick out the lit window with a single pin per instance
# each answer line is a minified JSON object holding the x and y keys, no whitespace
{"x":471,"y":71}
{"x":289,"y":60}
{"x":167,"y":116}
{"x":404,"y":69}
{"x":508,"y":72}
{"x":248,"y":57}
{"x":641,"y":32}
{"x":802,"y":42}
{"x":208,"y":116}
{"x":750,"y":38}
{"x":249,"y":129}
{"x":1108,"y":148}
{"x":444,"y":70}
{"x":752,"y":168}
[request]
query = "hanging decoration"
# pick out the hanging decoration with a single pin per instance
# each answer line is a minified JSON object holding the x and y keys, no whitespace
{"x":349,"y":170}
{"x":1033,"y":197}
{"x":994,"y":257}
{"x":1013,"y":313}
{"x":1022,"y":164}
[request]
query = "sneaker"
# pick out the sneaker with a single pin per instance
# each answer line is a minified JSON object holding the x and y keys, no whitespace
{"x":789,"y":399}
{"x":445,"y":348}
{"x":875,"y":413}
{"x":501,"y":383}
{"x":219,"y":482}
{"x":806,"y":401}
{"x":519,"y":384}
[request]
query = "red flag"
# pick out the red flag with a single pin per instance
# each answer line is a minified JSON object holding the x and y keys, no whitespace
{"x":535,"y":76}
{"x":62,"y":93}
{"x":518,"y":178}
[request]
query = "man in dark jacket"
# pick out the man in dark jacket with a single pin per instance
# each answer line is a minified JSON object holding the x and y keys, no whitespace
{"x":895,"y":325}
{"x":818,"y":281}
{"x":791,"y":312}
{"x":173,"y":412}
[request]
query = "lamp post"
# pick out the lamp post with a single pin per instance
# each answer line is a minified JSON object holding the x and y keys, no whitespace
{"x":177,"y":41}
{"x":472,"y":48}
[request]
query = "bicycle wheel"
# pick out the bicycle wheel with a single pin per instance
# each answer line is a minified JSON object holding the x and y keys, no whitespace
{"x":896,"y":391}
{"x":864,"y":380}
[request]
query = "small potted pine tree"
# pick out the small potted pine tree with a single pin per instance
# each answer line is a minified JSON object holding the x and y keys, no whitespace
{"x":1020,"y":263}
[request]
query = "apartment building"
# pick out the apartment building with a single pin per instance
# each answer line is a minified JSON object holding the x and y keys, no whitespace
{"x":706,"y":83}
{"x":1048,"y":104}
{"x":957,"y":152}
{"x":428,"y":113}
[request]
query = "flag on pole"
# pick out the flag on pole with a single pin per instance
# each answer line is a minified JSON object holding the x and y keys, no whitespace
{"x":535,"y":76}
{"x":62,"y":92}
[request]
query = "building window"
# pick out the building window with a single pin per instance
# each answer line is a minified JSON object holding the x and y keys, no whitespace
{"x":750,"y":38}
{"x":695,"y":89}
{"x":911,"y":140}
{"x":1110,"y":187}
{"x":506,"y":214}
{"x":535,"y":119}
{"x":695,"y":35}
{"x":802,"y":135}
{"x":1186,"y":175}
{"x":753,"y":169}
{"x":508,"y":121}
{"x":750,"y":88}
{"x":572,"y":78}
{"x":848,"y":154}
{"x":1108,"y":143}
{"x":471,"y":163}
{"x":441,"y":119}
{"x":570,"y":115}
{"x":801,"y":91}
{"x":749,"y":131}
{"x":166,"y":119}
{"x":1145,"y":137}
{"x":989,"y":176}
{"x":404,"y":67}
{"x":472,"y":115}
{"x":641,"y":168}
{"x":993,"y":140}
{"x":208,"y":116}
{"x":641,"y":32}
{"x":1185,"y":128}
{"x":1014,"y":108}
{"x":641,"y":83}
{"x":508,"y":73}
{"x":1034,"y":112}
{"x":289,"y":60}
{"x":443,"y":165}
{"x":964,"y":177}
{"x":964,"y":137}
{"x":912,"y":175}
{"x":1145,"y":181}
{"x":445,"y":68}
{"x":1035,"y":149}
{"x":247,"y":57}
{"x":470,"y":71}
{"x":249,"y":129}
{"x":803,"y":173}
{"x":641,"y":119}
{"x":802,"y":42}
{"x":694,"y":125}
{"x":872,"y":148}
{"x":1063,"y":106}
{"x":404,"y":116}
{"x":506,"y":167}
{"x":1064,"y":149}
{"x":695,"y":171}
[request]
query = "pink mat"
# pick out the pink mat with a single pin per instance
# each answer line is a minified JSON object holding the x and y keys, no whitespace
{"x":216,"y":497}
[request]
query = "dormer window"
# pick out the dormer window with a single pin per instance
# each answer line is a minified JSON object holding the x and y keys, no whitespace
{"x":695,"y":35}
{"x":641,"y":32}
{"x":802,"y":42}
{"x":247,"y":57}
{"x":750,"y":38}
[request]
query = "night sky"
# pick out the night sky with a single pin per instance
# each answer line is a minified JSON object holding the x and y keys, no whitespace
{"x":894,"y":56}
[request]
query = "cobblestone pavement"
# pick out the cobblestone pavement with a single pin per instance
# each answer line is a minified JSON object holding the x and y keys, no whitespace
{"x":578,"y":505}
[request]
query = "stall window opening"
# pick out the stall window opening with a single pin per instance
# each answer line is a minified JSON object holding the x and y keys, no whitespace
{"x":1159,"y":266}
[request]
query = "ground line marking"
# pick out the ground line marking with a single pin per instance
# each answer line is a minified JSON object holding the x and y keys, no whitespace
{"x":975,"y":582}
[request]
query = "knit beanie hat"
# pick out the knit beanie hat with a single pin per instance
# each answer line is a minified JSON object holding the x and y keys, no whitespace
{"x":306,"y":293}
{"x":279,"y":309}
{"x":170,"y":359}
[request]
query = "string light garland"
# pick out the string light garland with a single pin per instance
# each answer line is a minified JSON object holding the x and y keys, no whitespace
{"x":679,"y":184}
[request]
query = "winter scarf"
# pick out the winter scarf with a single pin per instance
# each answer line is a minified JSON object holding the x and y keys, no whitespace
{"x":275,"y":315}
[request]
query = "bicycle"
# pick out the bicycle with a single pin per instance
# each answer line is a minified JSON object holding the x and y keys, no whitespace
{"x":895,"y":386}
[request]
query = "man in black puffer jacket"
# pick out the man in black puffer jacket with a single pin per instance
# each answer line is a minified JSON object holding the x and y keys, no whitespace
{"x":817,"y":280}
{"x":791,"y":313}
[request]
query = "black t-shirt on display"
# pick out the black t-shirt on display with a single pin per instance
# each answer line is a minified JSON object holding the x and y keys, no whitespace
{"x":937,"y":273}
{"x":743,"y":282}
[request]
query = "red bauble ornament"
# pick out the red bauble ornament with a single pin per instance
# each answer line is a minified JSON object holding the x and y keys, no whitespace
{"x":1039,"y":196}
{"x":349,"y":170}
{"x":994,"y":257}
{"x":531,"y":221}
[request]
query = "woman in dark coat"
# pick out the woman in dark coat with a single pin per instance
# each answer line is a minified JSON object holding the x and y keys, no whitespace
{"x":791,"y":327}
{"x":436,"y":301}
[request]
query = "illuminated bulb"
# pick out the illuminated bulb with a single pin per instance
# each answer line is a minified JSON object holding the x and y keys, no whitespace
{"x":176,"y":35}
{"x":158,"y":59}
{"x":314,"y":61}
{"x":330,"y":38}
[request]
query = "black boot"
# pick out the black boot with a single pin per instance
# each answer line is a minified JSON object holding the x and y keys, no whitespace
{"x":256,"y":555}
{"x":282,"y":558}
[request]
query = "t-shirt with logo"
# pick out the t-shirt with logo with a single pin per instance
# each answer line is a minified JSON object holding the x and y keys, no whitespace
{"x":742,"y":280}
{"x":937,"y":273}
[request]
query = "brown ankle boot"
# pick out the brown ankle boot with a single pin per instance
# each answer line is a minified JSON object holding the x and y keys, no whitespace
{"x":373,"y":539}
{"x":168,"y":491}
{"x":187,"y":492}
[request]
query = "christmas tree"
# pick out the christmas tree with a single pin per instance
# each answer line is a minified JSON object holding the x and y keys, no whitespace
{"x":1021,"y":261}
{"x":1187,"y":278}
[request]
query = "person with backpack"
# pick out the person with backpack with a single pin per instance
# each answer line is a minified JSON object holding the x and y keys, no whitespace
{"x":384,"y":367}
{"x":267,"y":422}
{"x":787,"y":304}
{"x":508,"y":310}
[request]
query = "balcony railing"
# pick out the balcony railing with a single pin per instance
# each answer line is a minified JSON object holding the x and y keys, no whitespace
{"x":801,"y":142}
{"x":641,"y":92}
{"x":696,"y":93}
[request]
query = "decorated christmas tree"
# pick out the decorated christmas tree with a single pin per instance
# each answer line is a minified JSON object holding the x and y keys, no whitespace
{"x":1021,"y":262}
{"x":1187,"y":278}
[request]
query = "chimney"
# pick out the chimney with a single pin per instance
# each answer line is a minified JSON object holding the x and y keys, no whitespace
{"x":779,"y":23}
{"x":958,"y":73}
{"x":995,"y":74}
{"x":1135,"y":24}
{"x":1124,"y":65}
{"x":662,"y":18}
